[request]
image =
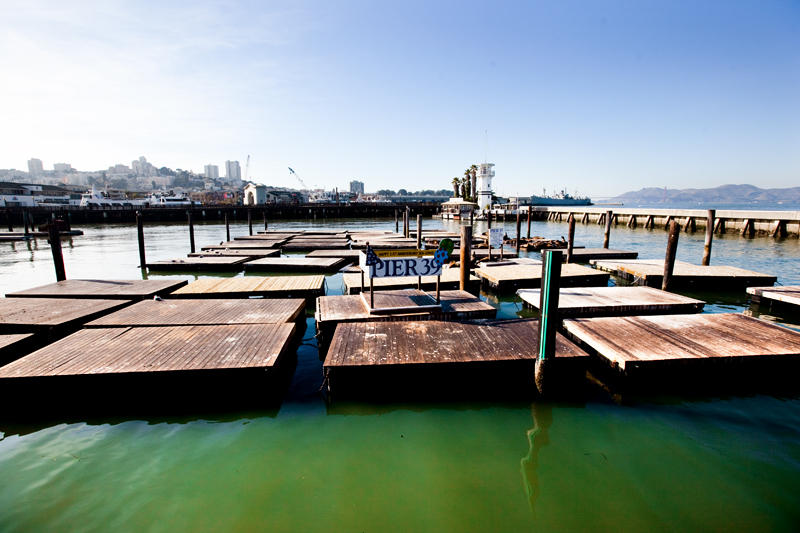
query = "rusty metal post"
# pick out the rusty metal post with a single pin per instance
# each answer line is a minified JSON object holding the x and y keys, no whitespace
{"x":570,"y":238}
{"x":712,"y":213}
{"x":466,"y":255}
{"x":607,"y":232}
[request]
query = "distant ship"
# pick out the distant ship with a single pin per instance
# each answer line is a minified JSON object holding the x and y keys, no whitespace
{"x":561,"y":198}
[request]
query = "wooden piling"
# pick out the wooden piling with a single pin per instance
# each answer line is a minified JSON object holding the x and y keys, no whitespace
{"x":607,"y":232}
{"x":419,"y":232}
{"x":396,"y":221}
{"x":25,"y":220}
{"x":519,"y":225}
{"x":58,"y":257}
{"x":8,"y":219}
{"x":672,"y":248}
{"x":227,"y":229}
{"x":709,"y":237}
{"x":571,"y":238}
{"x":466,"y":256}
{"x":140,"y":234}
{"x":265,"y":220}
{"x":191,"y":231}
{"x":529,"y":221}
{"x":548,"y":310}
{"x":249,"y":221}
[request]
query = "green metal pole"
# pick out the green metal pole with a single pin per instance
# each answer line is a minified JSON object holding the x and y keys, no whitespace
{"x":548,"y":320}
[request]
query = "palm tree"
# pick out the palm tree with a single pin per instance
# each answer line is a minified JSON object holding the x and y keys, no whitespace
{"x":474,"y":176}
{"x":456,"y":183}
{"x":466,"y":181}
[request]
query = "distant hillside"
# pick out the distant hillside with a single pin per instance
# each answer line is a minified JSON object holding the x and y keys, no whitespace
{"x":726,"y":194}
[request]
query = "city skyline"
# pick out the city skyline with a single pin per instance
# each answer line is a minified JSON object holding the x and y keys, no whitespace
{"x":603,"y":97}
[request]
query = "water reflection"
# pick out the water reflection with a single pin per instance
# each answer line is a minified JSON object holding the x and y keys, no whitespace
{"x":538,"y":438}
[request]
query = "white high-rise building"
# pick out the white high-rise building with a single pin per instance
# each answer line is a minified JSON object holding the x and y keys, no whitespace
{"x":62,"y":167}
{"x":211,"y":172}
{"x":35,"y":166}
{"x":233,"y":172}
{"x":357,"y":187}
{"x":484,"y":185}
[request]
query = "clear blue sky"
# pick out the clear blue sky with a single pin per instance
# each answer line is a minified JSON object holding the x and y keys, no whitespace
{"x":599,"y":96}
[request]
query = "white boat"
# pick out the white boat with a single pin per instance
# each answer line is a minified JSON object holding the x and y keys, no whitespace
{"x":99,"y":199}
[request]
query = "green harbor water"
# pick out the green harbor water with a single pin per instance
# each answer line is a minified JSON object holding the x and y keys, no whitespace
{"x":645,"y":463}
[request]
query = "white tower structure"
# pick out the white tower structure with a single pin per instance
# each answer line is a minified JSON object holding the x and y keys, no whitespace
{"x":484,"y":185}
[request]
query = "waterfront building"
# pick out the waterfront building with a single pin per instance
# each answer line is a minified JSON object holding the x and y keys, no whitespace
{"x":484,"y":185}
{"x":255,"y":194}
{"x":35,"y":166}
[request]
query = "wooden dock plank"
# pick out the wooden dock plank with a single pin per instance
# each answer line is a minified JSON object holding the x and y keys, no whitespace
{"x":102,"y":289}
{"x":315,"y":244}
{"x":512,"y":277}
{"x":650,"y":272}
{"x":176,"y":312}
{"x":633,"y":344}
{"x":295,"y":264}
{"x":240,"y":252}
{"x":32,"y":315}
{"x":15,"y":345}
{"x":166,"y":349}
{"x":239,"y":245}
{"x":450,"y":280}
{"x":206,"y":262}
{"x":787,"y":294}
{"x":350,"y":255}
{"x":308,"y":287}
{"x":615,"y":301}
{"x":584,"y":255}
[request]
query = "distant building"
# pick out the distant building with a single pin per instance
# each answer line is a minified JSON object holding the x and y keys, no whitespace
{"x":212,"y":172}
{"x":357,"y":187}
{"x":233,"y":172}
{"x":141,"y":167}
{"x":485,"y":174}
{"x":62,"y":167}
{"x":119,"y":169}
{"x":255,"y":194}
{"x":35,"y":166}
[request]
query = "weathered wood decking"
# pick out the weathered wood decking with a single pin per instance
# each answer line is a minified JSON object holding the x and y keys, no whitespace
{"x":426,"y":357}
{"x":240,"y":245}
{"x":102,"y":289}
{"x":788,"y":294}
{"x":683,"y":346}
{"x":244,"y":287}
{"x":175,"y":312}
{"x":302,"y":245}
{"x":247,"y":253}
{"x":511,"y":277}
{"x":650,"y":273}
{"x":350,"y":255}
{"x":450,"y":280}
{"x":584,"y":255}
{"x":454,"y":305}
{"x":207,"y":262}
{"x":43,"y":315}
{"x":615,"y":301}
{"x":14,"y":346}
{"x":295,"y":264}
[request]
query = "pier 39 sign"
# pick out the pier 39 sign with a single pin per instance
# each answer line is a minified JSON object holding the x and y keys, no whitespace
{"x":401,"y":263}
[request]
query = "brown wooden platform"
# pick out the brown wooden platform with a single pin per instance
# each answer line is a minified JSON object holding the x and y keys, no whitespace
{"x":787,"y":294}
{"x":419,"y":358}
{"x":454,"y":305}
{"x":480,"y":253}
{"x":307,"y":287}
{"x":409,"y":300}
{"x":650,"y":273}
{"x":615,"y":301}
{"x":295,"y":264}
{"x":14,"y":346}
{"x":176,"y":312}
{"x":584,"y":255}
{"x":511,"y":277}
{"x":207,"y":262}
{"x":102,"y":289}
{"x":681,"y":346}
{"x":350,"y":255}
{"x":271,"y":240}
{"x":145,"y":350}
{"x":239,"y":245}
{"x":315,"y":244}
{"x":43,"y":315}
{"x":450,"y":281}
{"x":247,"y":253}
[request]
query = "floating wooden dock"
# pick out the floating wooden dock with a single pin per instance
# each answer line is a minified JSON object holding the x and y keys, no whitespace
{"x":421,"y":358}
{"x":295,"y":264}
{"x":42,"y":315}
{"x":482,"y":253}
{"x":684,"y":348}
{"x":151,"y":313}
{"x":247,"y":253}
{"x":240,"y":245}
{"x":615,"y":301}
{"x":315,"y":244}
{"x":159,"y":367}
{"x":350,"y":255}
{"x":109,"y":289}
{"x":508,"y":278}
{"x":207,"y":262}
{"x":307,"y":287}
{"x":450,"y":280}
{"x":584,"y":255}
{"x":650,"y":273}
{"x":454,"y":305}
{"x":14,"y":346}
{"x":788,"y":294}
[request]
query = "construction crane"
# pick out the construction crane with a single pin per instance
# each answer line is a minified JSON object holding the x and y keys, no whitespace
{"x":303,"y":183}
{"x":247,"y":168}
